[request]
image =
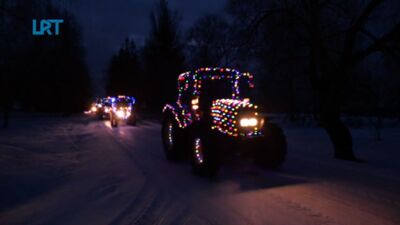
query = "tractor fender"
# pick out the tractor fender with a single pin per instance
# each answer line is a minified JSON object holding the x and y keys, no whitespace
{"x":182,"y":116}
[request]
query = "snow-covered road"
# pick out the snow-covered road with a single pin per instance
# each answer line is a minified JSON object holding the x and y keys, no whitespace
{"x":80,"y":171}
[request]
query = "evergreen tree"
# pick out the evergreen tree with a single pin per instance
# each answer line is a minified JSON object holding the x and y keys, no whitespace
{"x":124,"y":75}
{"x":163,"y":57}
{"x":42,"y":73}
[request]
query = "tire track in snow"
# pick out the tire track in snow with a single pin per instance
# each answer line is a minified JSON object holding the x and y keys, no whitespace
{"x":137,"y":207}
{"x":161,"y":199}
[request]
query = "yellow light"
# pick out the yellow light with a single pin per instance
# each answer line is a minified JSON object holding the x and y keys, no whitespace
{"x":248,"y":122}
{"x":195,"y":101}
{"x":195,"y":104}
{"x":94,"y":109}
{"x":106,"y":110}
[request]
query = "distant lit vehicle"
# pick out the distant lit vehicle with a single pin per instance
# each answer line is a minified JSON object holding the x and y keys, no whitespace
{"x":122,"y":111}
{"x":214,"y":116}
{"x":106,"y":107}
{"x":102,"y":107}
{"x":93,"y":109}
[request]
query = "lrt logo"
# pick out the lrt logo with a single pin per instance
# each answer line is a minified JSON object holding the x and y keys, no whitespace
{"x":45,"y":27}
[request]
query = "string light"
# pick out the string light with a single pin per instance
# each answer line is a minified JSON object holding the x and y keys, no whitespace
{"x":170,"y":139}
{"x":198,"y":150}
{"x":224,"y":111}
{"x":183,"y":118}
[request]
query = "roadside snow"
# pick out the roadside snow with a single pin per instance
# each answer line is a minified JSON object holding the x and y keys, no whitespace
{"x":78,"y":170}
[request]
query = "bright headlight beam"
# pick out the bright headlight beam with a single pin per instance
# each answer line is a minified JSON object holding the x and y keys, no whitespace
{"x":248,"y":122}
{"x":120,"y":114}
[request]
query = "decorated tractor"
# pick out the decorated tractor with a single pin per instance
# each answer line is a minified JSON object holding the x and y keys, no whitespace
{"x":213,"y":116}
{"x":103,"y":107}
{"x":122,"y":111}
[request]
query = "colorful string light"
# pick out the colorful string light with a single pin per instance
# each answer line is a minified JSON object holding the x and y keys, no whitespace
{"x":182,"y":116}
{"x":224,"y":111}
{"x":225,"y":116}
{"x":198,"y":151}
{"x":170,"y":139}
{"x":215,"y":73}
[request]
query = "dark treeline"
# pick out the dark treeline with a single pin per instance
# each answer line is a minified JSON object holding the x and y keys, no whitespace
{"x":323,"y":58}
{"x":161,"y":61}
{"x":125,"y":71}
{"x":41,"y":73}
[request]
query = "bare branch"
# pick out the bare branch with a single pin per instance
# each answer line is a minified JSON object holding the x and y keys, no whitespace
{"x":368,"y":34}
{"x":380,"y":44}
{"x":260,"y":18}
{"x":350,"y":38}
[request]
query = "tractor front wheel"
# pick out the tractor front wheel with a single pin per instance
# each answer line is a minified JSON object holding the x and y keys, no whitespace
{"x":205,"y":157}
{"x":272,"y":149}
{"x":132,"y":120}
{"x":113,"y":121}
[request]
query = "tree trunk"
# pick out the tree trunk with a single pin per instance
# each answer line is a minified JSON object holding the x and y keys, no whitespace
{"x":341,"y":139}
{"x":330,"y":120}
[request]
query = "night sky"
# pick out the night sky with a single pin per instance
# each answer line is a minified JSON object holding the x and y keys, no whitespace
{"x":106,"y":23}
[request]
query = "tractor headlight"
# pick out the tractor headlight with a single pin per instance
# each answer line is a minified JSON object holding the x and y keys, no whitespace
{"x":195,"y":104}
{"x":120,"y":114}
{"x":249,"y":122}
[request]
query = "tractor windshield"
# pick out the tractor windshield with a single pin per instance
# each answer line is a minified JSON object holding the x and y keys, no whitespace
{"x":246,"y":89}
{"x":123,"y":103}
{"x":215,"y":89}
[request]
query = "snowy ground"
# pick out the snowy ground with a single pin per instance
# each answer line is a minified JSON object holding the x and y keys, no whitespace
{"x":78,"y":170}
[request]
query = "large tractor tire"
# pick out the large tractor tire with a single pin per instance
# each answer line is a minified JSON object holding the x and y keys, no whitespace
{"x":205,"y":157}
{"x":172,"y":139}
{"x":113,"y":121}
{"x":272,"y":148}
{"x":132,"y":120}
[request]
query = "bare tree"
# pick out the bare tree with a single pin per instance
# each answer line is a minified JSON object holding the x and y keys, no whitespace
{"x":334,"y":37}
{"x":210,"y":42}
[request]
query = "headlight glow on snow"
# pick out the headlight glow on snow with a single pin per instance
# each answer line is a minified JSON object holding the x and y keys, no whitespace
{"x":248,"y":122}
